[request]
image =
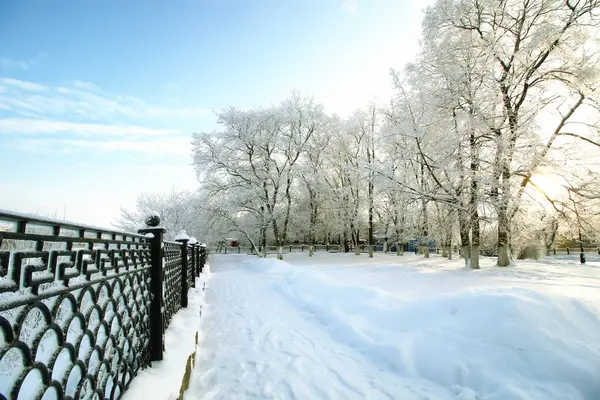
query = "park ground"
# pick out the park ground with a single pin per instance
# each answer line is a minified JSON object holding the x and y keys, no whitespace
{"x":340,"y":326}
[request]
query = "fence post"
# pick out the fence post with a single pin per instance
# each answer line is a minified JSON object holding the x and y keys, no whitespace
{"x":156,"y":286}
{"x":198,"y":264}
{"x":202,"y":252}
{"x":183,"y":238}
{"x":194,"y":267}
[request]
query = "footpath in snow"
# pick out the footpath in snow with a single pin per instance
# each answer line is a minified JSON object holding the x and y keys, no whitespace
{"x":338,"y":326}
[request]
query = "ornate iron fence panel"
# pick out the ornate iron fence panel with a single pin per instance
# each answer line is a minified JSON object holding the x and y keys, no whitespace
{"x":171,"y":280}
{"x":191,"y":275}
{"x":74,"y":309}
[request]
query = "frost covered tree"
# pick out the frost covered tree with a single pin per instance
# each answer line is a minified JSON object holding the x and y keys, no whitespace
{"x":501,"y":93}
{"x":253,"y":164}
{"x":177,"y":210}
{"x":496,"y":84}
{"x":542,"y":66}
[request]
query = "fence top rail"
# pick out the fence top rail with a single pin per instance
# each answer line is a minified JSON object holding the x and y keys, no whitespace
{"x":15,"y":217}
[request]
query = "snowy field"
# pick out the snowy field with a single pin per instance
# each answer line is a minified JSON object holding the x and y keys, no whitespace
{"x":338,"y":326}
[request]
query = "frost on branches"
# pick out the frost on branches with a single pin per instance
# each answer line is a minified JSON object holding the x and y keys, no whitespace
{"x":484,"y":148}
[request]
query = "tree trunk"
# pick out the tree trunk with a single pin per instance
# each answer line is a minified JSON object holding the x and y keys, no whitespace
{"x":425,"y":250}
{"x":475,"y":256}
{"x":476,"y":234}
{"x":503,"y":247}
{"x":503,"y":236}
{"x":346,"y":242}
{"x":278,"y":242}
{"x":263,"y":244}
{"x":399,"y":244}
{"x":313,"y":222}
{"x":550,"y":237}
{"x":447,"y":245}
{"x":425,"y":237}
{"x":354,"y":232}
{"x":370,"y":160}
{"x":371,"y":209}
{"x":425,"y":221}
{"x":465,"y":240}
{"x":286,"y":221}
{"x":473,"y":201}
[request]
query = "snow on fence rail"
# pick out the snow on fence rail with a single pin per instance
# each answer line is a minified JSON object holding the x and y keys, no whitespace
{"x":83,"y":309}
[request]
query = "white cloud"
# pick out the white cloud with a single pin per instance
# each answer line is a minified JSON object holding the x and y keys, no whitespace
{"x":24,"y":85}
{"x":102,"y":135}
{"x":86,"y":85}
{"x":181,"y":112}
{"x":42,"y":126}
{"x":85,"y":100}
{"x":178,"y":146}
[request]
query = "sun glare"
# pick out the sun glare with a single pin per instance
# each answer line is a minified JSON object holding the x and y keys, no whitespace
{"x":546,"y":185}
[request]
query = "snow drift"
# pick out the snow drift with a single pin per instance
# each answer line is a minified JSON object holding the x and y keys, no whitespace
{"x":505,"y":343}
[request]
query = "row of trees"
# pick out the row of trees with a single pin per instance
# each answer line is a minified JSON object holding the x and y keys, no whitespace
{"x":498,"y":91}
{"x":502,"y":95}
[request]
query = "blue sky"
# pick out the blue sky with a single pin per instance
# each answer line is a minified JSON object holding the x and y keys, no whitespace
{"x":98,"y":100}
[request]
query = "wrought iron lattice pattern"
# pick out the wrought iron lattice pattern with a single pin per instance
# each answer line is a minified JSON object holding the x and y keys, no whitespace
{"x":171,"y":280}
{"x":74,"y":310}
{"x":191,"y":276}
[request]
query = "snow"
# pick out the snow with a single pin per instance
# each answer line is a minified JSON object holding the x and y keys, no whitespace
{"x":163,"y":380}
{"x":339,"y":326}
{"x":182,"y":235}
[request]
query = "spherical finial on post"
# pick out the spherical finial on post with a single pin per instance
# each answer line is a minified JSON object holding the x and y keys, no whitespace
{"x":152,"y":219}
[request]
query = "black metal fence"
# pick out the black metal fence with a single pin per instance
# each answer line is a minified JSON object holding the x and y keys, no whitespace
{"x":298,"y":248}
{"x":83,"y":309}
{"x":294,"y":248}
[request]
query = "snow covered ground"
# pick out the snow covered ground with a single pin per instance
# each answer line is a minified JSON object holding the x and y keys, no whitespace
{"x":339,"y":326}
{"x":163,"y":380}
